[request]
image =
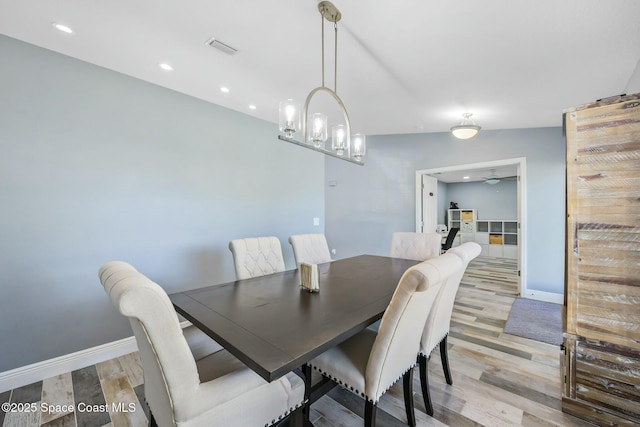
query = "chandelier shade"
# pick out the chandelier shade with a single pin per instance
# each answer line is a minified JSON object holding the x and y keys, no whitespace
{"x":359,"y":146}
{"x":318,"y":129}
{"x":289,"y":113}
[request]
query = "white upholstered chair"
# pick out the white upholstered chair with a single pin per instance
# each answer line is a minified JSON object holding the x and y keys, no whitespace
{"x":217,"y":389}
{"x":437,"y":326}
{"x":369,"y":363}
{"x":310,"y":248}
{"x":256,"y":256}
{"x":200,"y":344}
{"x":417,"y":246}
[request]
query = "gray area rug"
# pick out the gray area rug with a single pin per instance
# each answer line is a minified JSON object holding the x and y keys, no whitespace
{"x":538,"y":320}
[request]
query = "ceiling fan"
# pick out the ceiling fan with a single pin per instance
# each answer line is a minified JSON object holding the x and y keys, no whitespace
{"x":494,"y":179}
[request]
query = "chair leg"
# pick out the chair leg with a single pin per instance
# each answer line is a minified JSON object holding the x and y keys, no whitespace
{"x":369,"y":414}
{"x":424,"y":382}
{"x":408,"y":397}
{"x":306,"y":371}
{"x":296,"y":418}
{"x":444,"y":356}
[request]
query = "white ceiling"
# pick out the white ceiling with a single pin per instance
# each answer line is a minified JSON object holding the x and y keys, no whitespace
{"x":404,"y":67}
{"x":507,"y":172}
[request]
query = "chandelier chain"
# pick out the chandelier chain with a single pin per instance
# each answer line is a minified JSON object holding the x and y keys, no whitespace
{"x":322,"y":32}
{"x":335,"y":59}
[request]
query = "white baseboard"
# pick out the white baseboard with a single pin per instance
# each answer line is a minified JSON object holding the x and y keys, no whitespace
{"x":544,"y":296}
{"x":29,"y":374}
{"x":69,"y":362}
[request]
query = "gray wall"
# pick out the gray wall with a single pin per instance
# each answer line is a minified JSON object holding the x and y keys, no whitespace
{"x":497,"y":201}
{"x":97,"y":166}
{"x":368,"y":203}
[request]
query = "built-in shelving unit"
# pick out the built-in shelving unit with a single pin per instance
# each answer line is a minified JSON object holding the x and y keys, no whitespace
{"x":498,"y":238}
{"x":465,"y":220}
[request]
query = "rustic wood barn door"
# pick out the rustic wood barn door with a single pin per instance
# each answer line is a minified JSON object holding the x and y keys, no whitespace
{"x":602,"y":365}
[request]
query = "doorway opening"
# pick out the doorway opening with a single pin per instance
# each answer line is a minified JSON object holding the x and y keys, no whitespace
{"x":481,"y":172}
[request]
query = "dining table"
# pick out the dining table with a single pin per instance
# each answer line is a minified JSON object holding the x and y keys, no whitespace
{"x":275,"y":326}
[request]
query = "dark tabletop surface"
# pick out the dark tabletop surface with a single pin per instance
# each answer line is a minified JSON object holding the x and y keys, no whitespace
{"x":274,"y":326}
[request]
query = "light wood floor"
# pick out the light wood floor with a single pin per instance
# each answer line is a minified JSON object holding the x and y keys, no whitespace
{"x":498,"y":379}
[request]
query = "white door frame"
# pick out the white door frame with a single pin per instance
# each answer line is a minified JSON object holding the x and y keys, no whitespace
{"x":429,"y":183}
{"x":521,"y":162}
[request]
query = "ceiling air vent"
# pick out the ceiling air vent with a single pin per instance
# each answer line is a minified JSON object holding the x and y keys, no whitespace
{"x":213,"y":42}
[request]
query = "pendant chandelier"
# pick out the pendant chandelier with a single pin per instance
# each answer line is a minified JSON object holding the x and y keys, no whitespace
{"x":313,"y":130}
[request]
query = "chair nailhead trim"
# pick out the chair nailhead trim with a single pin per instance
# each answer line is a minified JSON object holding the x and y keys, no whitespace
{"x":356,"y":391}
{"x":434,"y":347}
{"x":287,"y":413}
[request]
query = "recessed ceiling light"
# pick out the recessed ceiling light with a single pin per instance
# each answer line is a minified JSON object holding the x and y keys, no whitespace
{"x":252,"y":107}
{"x":62,"y":28}
{"x":466,"y":177}
{"x":224,"y":89}
{"x":165,"y":66}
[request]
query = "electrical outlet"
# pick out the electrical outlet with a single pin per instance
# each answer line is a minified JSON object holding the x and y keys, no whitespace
{"x":316,"y":221}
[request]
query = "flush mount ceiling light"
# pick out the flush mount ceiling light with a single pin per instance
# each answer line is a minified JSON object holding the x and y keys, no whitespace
{"x":466,"y":129}
{"x":314,"y":129}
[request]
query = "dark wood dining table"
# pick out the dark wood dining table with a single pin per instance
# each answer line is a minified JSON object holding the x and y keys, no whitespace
{"x":274,"y":326}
